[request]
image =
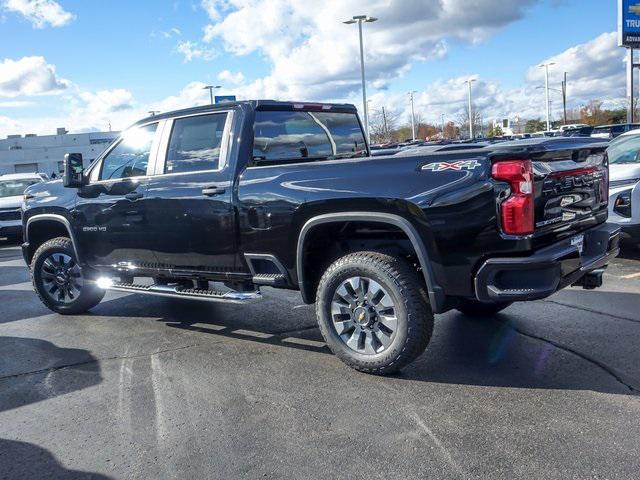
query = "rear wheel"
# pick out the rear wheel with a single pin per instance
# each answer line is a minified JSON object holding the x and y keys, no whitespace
{"x":372,"y":313}
{"x":60,"y":282}
{"x":474,"y":308}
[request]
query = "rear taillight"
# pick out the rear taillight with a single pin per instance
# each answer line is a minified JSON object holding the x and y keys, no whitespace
{"x":517,"y":211}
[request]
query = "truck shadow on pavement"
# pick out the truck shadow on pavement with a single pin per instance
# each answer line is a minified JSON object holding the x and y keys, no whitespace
{"x":28,"y":461}
{"x":484,"y":352}
{"x":34,"y":370}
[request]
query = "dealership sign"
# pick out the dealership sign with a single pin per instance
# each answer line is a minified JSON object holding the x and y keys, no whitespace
{"x":629,"y":23}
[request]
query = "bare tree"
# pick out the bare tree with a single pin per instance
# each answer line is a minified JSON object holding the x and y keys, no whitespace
{"x":382,"y":124}
{"x":463,"y":120}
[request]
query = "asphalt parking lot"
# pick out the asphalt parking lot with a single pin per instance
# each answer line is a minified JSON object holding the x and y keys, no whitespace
{"x":147,"y":387}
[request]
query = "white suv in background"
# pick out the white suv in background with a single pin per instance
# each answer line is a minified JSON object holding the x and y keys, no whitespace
{"x":624,"y":184}
{"x":12,"y":188}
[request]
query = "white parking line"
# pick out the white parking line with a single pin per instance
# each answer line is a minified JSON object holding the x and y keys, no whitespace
{"x":631,"y":275}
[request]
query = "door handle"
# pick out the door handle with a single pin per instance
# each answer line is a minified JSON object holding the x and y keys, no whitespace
{"x":212,"y":190}
{"x":134,"y":196}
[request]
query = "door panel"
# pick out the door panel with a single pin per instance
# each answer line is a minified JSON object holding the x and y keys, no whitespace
{"x":110,"y":214}
{"x":189,"y":204}
{"x":112,"y":222}
{"x":192,"y":230}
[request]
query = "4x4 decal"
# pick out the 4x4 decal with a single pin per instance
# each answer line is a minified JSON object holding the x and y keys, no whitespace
{"x":460,"y":165}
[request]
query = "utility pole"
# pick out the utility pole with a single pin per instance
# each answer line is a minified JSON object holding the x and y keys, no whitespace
{"x":359,"y":19}
{"x":546,"y":89}
{"x":442,"y":119}
{"x":413,"y":116}
{"x":564,"y":97}
{"x":469,"y":82}
{"x":384,"y":121}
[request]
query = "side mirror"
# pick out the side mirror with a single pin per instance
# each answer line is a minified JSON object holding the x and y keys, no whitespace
{"x":73,"y":177}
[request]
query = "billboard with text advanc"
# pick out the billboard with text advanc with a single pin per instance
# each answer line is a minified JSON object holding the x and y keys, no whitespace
{"x":629,"y":23}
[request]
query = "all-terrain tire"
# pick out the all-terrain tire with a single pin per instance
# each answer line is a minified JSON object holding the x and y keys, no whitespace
{"x":475,"y":308}
{"x":403,"y":284}
{"x":88,"y":296}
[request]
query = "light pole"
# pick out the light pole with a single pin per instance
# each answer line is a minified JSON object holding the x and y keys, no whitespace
{"x":469,"y":82}
{"x":211,"y":88}
{"x":442,"y":119}
{"x":546,"y":86}
{"x":413,"y":116}
{"x":359,"y":19}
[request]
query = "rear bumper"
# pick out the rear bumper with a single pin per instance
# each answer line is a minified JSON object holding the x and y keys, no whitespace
{"x":548,"y":270}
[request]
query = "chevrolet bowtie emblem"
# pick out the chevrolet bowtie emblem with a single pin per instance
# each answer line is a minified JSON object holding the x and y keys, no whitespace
{"x":361,"y":316}
{"x":635,"y":8}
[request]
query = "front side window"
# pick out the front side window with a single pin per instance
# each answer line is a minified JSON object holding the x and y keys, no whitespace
{"x":131,"y":156}
{"x":285,"y":136}
{"x":195,"y":143}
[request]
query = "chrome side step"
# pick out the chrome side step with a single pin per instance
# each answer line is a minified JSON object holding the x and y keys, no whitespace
{"x":175,"y":291}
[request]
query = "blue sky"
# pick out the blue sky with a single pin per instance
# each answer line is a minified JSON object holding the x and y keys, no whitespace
{"x":117,"y":59}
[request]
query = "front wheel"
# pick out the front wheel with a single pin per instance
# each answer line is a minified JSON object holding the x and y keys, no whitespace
{"x":60,"y":282}
{"x":372,"y":312}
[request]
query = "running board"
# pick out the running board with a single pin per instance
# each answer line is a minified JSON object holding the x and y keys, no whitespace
{"x":180,"y":292}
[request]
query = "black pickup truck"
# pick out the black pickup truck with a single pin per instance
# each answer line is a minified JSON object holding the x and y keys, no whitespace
{"x":213,"y":202}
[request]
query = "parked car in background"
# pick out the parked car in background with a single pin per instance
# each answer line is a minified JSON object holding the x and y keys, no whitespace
{"x":613,"y":131}
{"x":576,"y":131}
{"x":572,"y":126}
{"x":12,"y":188}
{"x":624,"y":184}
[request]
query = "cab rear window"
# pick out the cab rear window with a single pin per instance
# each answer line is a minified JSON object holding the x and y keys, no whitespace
{"x":298,"y":136}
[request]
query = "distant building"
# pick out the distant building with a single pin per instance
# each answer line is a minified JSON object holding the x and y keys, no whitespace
{"x":44,"y":153}
{"x":505,"y":125}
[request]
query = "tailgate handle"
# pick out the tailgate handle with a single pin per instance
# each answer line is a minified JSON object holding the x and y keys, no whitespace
{"x":213,"y":190}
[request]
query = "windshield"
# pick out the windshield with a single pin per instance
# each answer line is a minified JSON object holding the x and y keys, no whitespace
{"x":624,"y":150}
{"x":14,"y":188}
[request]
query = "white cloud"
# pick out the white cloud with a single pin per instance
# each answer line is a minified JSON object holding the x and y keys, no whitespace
{"x":313,"y":55}
{"x":172,"y":32}
{"x":107,"y":101}
{"x":193,"y":50}
{"x":29,"y":76}
{"x":40,"y":12}
{"x":16,"y":104}
{"x":236,"y":78}
{"x":596,"y":70}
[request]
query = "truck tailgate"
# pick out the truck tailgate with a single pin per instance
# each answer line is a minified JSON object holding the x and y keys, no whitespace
{"x":570,"y":183}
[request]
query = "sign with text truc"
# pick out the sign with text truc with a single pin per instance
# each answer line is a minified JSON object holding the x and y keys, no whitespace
{"x":629,"y":23}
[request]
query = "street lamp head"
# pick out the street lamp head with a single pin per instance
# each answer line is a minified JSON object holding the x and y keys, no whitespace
{"x":360,"y":18}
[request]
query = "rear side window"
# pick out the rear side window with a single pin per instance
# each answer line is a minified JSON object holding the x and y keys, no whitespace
{"x":283,"y":136}
{"x":130,"y":156}
{"x":195,"y":143}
